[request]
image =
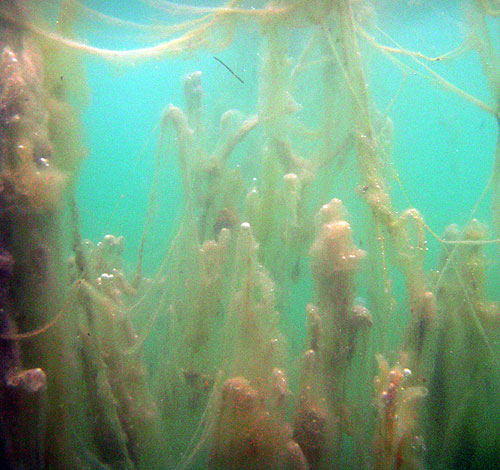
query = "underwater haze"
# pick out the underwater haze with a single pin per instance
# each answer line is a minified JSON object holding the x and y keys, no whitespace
{"x":250,"y":234}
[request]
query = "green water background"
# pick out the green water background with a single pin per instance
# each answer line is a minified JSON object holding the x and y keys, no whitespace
{"x":442,"y":146}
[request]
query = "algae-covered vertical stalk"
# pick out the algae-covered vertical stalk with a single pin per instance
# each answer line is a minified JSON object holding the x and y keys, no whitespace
{"x":408,"y":243}
{"x":335,"y":262}
{"x":293,"y":235}
{"x":34,"y":177}
{"x":252,"y":320}
{"x":348,"y":59}
{"x":211,"y":188}
{"x":397,"y":442}
{"x":284,"y":174}
{"x":32,"y":186}
{"x":490,"y":60}
{"x":247,"y":436}
{"x":249,"y":430}
{"x":193,"y":94}
{"x":274,"y":104}
{"x":115,"y":376}
{"x":461,"y":408}
{"x":41,"y":150}
{"x":180,"y":123}
{"x":314,"y":422}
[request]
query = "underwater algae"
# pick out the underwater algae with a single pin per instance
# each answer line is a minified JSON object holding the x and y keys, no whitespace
{"x":302,"y":316}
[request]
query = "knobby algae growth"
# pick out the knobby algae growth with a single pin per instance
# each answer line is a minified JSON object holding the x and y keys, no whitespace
{"x":199,"y":363}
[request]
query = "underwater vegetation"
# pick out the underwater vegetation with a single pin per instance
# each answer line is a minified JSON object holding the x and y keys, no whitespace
{"x":303,"y":315}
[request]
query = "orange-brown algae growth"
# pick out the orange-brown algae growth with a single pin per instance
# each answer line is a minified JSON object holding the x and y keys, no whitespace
{"x":226,"y":218}
{"x":333,"y":250}
{"x":334,"y":257}
{"x":246,"y":435}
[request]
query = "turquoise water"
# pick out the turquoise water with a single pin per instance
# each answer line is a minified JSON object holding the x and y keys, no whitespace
{"x":443,"y":146}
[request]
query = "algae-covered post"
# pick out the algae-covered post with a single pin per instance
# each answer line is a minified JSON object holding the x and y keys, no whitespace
{"x":53,"y":375}
{"x":36,"y":342}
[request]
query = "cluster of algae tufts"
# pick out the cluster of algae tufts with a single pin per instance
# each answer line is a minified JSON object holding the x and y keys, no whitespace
{"x":264,"y":336}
